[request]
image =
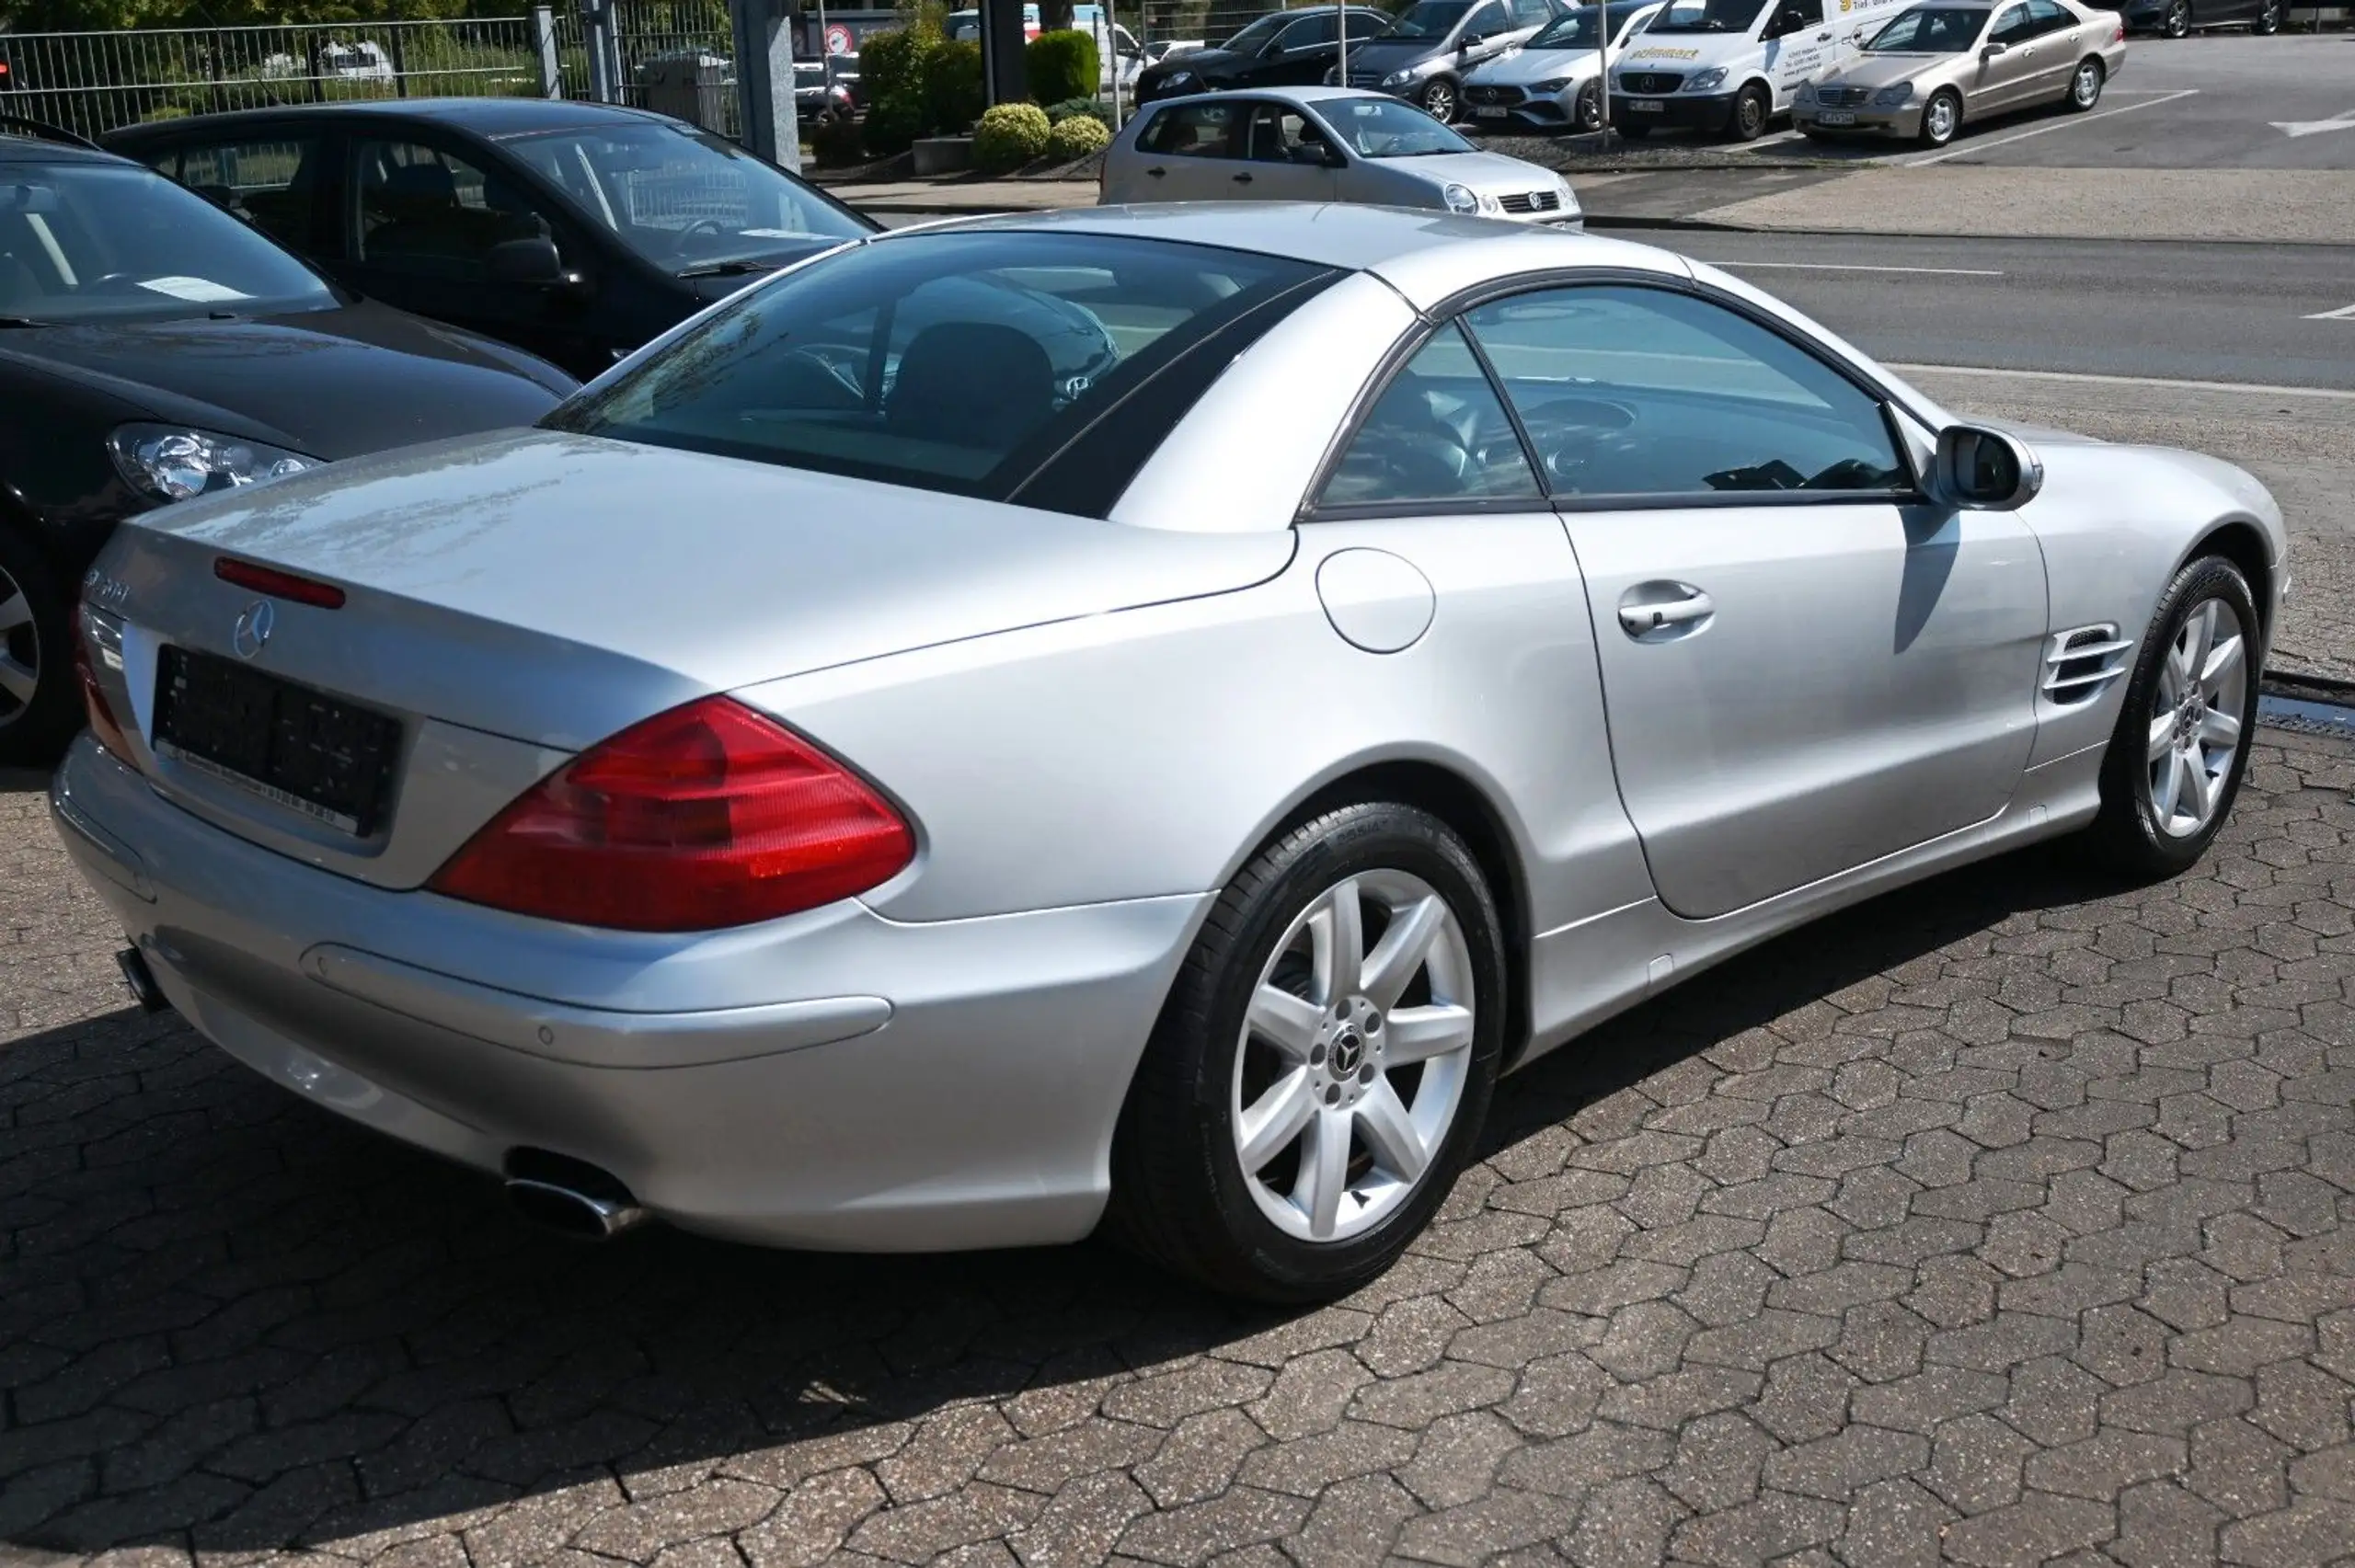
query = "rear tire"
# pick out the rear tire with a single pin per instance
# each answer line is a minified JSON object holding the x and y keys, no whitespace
{"x":1440,"y":99}
{"x":1752,"y":108}
{"x":2177,"y":756}
{"x":1586,"y":113}
{"x":1260,"y":1150}
{"x":2268,"y":19}
{"x":2177,"y":22}
{"x":2085,"y":85}
{"x":40,"y":701}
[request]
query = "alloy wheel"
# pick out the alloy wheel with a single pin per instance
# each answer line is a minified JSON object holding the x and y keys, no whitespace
{"x":2177,"y":21}
{"x":1939,"y":120}
{"x":2196,"y":718}
{"x":20,"y":651}
{"x":1589,"y":113}
{"x":1356,"y":1049}
{"x":2269,"y":18}
{"x":1439,"y":102}
{"x":2085,"y":89}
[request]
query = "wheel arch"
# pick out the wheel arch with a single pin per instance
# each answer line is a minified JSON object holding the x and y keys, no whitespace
{"x":2240,"y":542}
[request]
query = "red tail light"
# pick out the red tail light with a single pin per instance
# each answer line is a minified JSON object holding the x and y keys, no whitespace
{"x":707,"y":816}
{"x":278,"y":584}
{"x":95,"y":707}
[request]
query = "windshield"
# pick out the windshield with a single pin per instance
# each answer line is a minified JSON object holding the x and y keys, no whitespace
{"x":1575,"y":31}
{"x":1385,"y":128}
{"x":94,"y":242}
{"x":685,"y":200}
{"x":1429,"y":19}
{"x":1931,"y":29}
{"x":948,"y":361}
{"x":1706,"y":16}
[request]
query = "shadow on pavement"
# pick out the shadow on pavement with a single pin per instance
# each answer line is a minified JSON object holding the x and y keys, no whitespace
{"x":231,"y":1322}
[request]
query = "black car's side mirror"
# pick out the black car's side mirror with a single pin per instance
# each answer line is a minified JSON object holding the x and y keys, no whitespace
{"x":525,"y":261}
{"x":1985,"y":469}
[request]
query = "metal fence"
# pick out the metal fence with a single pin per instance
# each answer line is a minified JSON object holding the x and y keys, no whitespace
{"x":91,"y":82}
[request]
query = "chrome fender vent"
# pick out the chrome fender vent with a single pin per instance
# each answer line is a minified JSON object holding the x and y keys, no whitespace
{"x":2080,"y":665}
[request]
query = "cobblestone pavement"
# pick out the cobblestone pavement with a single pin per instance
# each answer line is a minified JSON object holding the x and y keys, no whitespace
{"x":2005,"y":1218}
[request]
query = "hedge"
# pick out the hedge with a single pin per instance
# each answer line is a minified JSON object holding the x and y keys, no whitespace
{"x":1010,"y":135}
{"x":1062,"y":65}
{"x":1077,"y":137}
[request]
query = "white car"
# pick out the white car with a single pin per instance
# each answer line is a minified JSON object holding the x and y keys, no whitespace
{"x":1553,"y":81}
{"x":1322,"y":145}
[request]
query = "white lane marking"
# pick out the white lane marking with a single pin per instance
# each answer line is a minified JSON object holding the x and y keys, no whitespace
{"x":1776,"y":140}
{"x":2088,"y":378}
{"x":1859,"y":266}
{"x":2293,"y":129}
{"x":2344,"y":313}
{"x":2073,"y":120}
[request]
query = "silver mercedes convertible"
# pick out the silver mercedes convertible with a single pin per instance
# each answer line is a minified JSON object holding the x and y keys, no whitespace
{"x":1125,"y":719}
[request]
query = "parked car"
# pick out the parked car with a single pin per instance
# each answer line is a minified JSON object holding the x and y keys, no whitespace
{"x":152,"y":350}
{"x":1281,"y":48}
{"x":576,"y":231}
{"x":1728,"y":67}
{"x":1322,"y":145}
{"x":1424,"y":54}
{"x":2175,"y":18}
{"x":989,"y":809}
{"x":1161,"y":49}
{"x":1939,"y":66}
{"x":1554,"y":81}
{"x":817,"y":92}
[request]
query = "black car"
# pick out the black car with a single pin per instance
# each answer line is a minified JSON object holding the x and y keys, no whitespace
{"x":2177,"y":17}
{"x":152,"y":350}
{"x":577,"y":231}
{"x":1281,"y":49}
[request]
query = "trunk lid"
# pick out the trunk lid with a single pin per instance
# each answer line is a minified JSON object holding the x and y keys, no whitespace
{"x":515,"y":599}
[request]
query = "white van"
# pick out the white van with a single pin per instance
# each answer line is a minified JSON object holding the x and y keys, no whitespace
{"x":1729,"y":66}
{"x":1115,"y":45}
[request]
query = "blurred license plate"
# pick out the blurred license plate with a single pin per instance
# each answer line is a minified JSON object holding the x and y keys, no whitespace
{"x":329,"y":759}
{"x":1645,"y":106}
{"x":1487,"y":111}
{"x":1835,"y":117}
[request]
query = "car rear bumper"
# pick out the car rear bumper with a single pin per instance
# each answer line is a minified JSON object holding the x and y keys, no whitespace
{"x":913,"y":1087}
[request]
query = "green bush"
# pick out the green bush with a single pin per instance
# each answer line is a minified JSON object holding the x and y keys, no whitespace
{"x":1094,"y":108}
{"x":892,"y":71}
{"x":1010,"y":135}
{"x":836,"y":142}
{"x":953,"y":97}
{"x":1060,"y":65}
{"x":1077,"y":137}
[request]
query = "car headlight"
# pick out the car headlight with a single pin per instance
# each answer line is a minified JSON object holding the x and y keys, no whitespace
{"x":1550,"y":84}
{"x":1178,"y":79}
{"x":1461,"y":200}
{"x":1803,"y":93}
{"x":174,"y":462}
{"x":1397,"y":78}
{"x":1890,"y":97}
{"x":1702,"y":81}
{"x":1569,"y":199}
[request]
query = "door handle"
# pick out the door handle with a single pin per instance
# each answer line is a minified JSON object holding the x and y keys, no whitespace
{"x":1650,"y":610}
{"x":1156,"y":173}
{"x":1242,"y":179}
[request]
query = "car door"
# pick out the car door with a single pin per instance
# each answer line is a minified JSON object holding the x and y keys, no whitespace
{"x":2055,"y":38}
{"x":1807,"y":666}
{"x":1487,"y":29}
{"x":1800,"y":47}
{"x":1289,"y":158}
{"x":424,"y":217}
{"x":275,"y":177}
{"x":1301,"y":54}
{"x":2008,"y":61}
{"x":1193,"y":151}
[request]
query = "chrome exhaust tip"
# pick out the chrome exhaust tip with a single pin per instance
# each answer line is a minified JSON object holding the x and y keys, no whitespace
{"x":570,"y":1196}
{"x":141,"y":981}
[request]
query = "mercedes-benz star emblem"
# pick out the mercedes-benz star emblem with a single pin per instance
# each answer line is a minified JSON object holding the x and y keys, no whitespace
{"x":253,"y":629}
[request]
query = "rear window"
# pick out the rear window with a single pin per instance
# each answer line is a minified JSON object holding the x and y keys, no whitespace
{"x":964,"y":362}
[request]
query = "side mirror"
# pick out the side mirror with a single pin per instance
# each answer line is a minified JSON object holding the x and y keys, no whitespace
{"x":1469,"y":40}
{"x":525,"y":261}
{"x":1985,"y":469}
{"x":1993,"y":50}
{"x":1792,"y":21}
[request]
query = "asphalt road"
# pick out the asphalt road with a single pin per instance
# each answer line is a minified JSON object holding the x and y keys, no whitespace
{"x":2199,"y":311}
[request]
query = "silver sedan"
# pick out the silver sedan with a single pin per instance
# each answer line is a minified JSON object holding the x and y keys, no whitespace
{"x":845,"y":783}
{"x":1322,"y":145}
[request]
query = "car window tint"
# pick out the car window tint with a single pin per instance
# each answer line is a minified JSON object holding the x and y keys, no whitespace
{"x":1192,"y":131}
{"x":960,"y":362}
{"x":1311,"y":31}
{"x":2015,"y":26}
{"x":1628,"y":391}
{"x":1436,"y":434}
{"x":1487,"y":20}
{"x":429,"y":212}
{"x":271,"y":183}
{"x":1278,"y":133}
{"x":2048,"y":16}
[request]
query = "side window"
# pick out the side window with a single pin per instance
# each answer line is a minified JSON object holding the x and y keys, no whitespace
{"x":1192,"y":131}
{"x":1312,"y":32}
{"x":433,"y":214}
{"x":1281,"y":134}
{"x":1436,"y":434}
{"x":1532,"y":13}
{"x":2015,"y":26}
{"x":272,"y":184}
{"x":2049,"y":17}
{"x":1630,"y":391}
{"x":1486,"y":20}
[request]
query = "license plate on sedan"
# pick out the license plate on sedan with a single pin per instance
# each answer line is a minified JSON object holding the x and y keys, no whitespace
{"x":1645,"y":106}
{"x":1487,"y":111}
{"x":1835,"y":117}
{"x":329,"y":759}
